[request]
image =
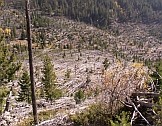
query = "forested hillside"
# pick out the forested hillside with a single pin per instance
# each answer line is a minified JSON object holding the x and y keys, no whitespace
{"x":101,"y":12}
{"x":95,"y":62}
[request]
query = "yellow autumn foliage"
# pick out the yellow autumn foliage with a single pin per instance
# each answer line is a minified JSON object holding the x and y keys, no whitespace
{"x":1,"y":31}
{"x":118,"y":62}
{"x":141,"y":72}
{"x":122,"y":76}
{"x":7,"y":31}
{"x":137,"y":65}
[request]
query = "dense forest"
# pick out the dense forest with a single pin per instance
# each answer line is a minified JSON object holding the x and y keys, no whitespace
{"x":101,"y":13}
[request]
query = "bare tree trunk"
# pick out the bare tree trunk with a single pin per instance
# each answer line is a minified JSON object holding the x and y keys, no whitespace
{"x":33,"y":97}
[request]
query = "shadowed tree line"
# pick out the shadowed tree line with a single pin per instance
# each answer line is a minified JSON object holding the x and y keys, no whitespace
{"x":101,"y":13}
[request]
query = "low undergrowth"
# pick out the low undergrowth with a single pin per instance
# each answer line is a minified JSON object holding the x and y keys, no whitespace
{"x":42,"y":116}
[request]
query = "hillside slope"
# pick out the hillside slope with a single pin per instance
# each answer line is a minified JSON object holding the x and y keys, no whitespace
{"x":100,"y":13}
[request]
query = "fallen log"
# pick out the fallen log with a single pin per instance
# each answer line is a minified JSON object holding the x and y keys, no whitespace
{"x":151,"y":94}
{"x":148,"y":105}
{"x":136,"y":109}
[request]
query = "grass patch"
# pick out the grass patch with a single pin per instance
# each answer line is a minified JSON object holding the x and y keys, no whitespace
{"x":42,"y":116}
{"x":26,"y":122}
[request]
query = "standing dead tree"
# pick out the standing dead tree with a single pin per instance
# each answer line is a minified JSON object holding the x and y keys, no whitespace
{"x":31,"y":62}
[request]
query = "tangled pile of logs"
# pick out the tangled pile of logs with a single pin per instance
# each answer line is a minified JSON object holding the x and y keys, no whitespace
{"x":143,"y":104}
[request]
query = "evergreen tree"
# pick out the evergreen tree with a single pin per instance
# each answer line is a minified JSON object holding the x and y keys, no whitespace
{"x":106,"y":63}
{"x":13,"y":33}
{"x":8,"y":63}
{"x":3,"y":93}
{"x":156,"y":75}
{"x":79,"y":96}
{"x":67,"y":74}
{"x":8,"y":68}
{"x":23,"y":35}
{"x":101,"y":13}
{"x":42,"y":38}
{"x":49,"y":80}
{"x":25,"y":91}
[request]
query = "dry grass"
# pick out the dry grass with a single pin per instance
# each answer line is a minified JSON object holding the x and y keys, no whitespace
{"x":42,"y":116}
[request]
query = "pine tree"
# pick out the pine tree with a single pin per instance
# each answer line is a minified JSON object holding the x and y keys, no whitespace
{"x":8,"y":68}
{"x":123,"y":120}
{"x":79,"y":96}
{"x":8,"y":64}
{"x":23,"y":35}
{"x":25,"y":91}
{"x":3,"y":93}
{"x":156,"y":75}
{"x":49,"y":80}
{"x":106,"y":63}
{"x":13,"y":33}
{"x":42,"y":38}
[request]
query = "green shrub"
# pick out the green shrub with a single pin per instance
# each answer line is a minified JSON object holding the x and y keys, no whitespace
{"x":96,"y":115}
{"x":122,"y":120}
{"x":3,"y":93}
{"x":42,"y":116}
{"x":79,"y":96}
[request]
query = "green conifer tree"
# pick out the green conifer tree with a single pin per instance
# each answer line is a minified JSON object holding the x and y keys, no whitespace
{"x":3,"y":94}
{"x":156,"y":75}
{"x":23,"y":35}
{"x":106,"y":63}
{"x":25,"y":91}
{"x":8,"y":68}
{"x":13,"y":33}
{"x":79,"y":96}
{"x":49,"y":80}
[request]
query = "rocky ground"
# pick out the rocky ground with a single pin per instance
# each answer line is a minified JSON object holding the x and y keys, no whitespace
{"x":89,"y":64}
